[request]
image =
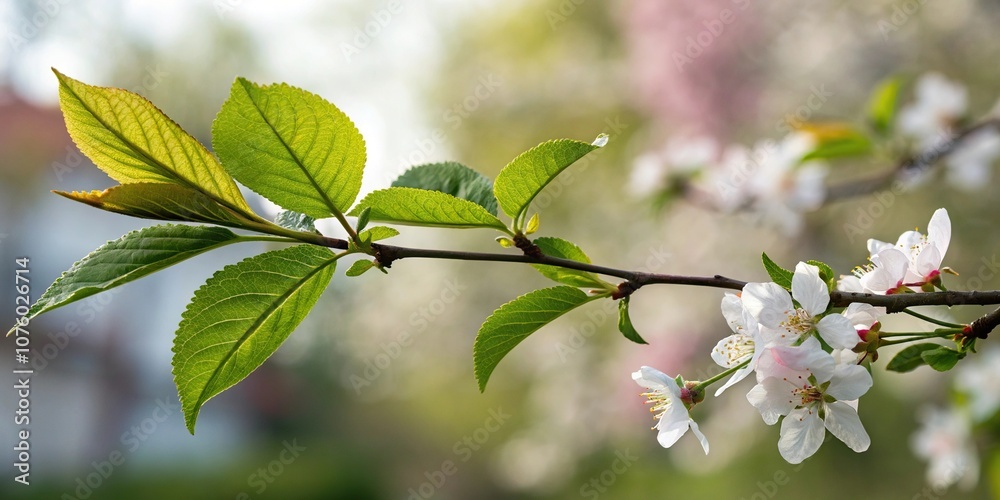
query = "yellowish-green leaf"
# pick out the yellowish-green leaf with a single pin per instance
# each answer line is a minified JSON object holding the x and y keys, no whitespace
{"x":291,"y":146}
{"x":359,"y":267}
{"x":560,"y":248}
{"x":158,"y":201}
{"x":377,"y":233}
{"x":533,"y":224}
{"x":882,"y":105}
{"x":133,"y":141}
{"x":420,"y":207}
{"x":525,"y":176}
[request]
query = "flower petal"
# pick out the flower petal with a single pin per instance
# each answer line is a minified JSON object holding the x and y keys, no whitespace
{"x":651,"y":378}
{"x":849,"y":382}
{"x":928,"y":261}
{"x":732,"y":310}
{"x":673,"y":424}
{"x":876,"y":246}
{"x":890,"y":269}
{"x":701,"y":437}
{"x":850,"y":283}
{"x":801,"y":436}
{"x":773,"y":398}
{"x":797,"y":362}
{"x":809,"y":289}
{"x":738,"y":375}
{"x":939,"y":230}
{"x":768,"y":303}
{"x":733,"y":350}
{"x":861,"y":314}
{"x":843,"y":422}
{"x":910,"y":241}
{"x":838,"y":331}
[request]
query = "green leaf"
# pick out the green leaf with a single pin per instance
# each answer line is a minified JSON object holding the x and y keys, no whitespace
{"x":910,"y":358}
{"x":359,"y":267}
{"x":515,"y":320}
{"x":137,"y":254}
{"x":420,"y":207}
{"x":451,"y":178}
{"x":291,"y":146}
{"x":782,"y":277}
{"x":525,"y":176}
{"x":240,"y":316}
{"x":825,"y":273}
{"x":378,"y":233}
{"x":296,"y":221}
{"x":625,"y":323}
{"x":562,"y":249}
{"x":150,"y":200}
{"x":882,"y":105}
{"x":363,"y":219}
{"x":133,"y":141}
{"x":837,"y":141}
{"x":942,"y":359}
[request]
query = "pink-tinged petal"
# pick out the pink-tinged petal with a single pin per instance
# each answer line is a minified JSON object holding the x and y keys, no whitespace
{"x":801,"y":436}
{"x":701,"y":437}
{"x":849,"y":382}
{"x":770,"y":365}
{"x":773,"y":398}
{"x":809,"y":289}
{"x":927,"y":261}
{"x":809,"y":357}
{"x":651,"y":378}
{"x":876,"y":246}
{"x":844,"y":422}
{"x":939,"y":231}
{"x":838,"y":331}
{"x":768,"y":303}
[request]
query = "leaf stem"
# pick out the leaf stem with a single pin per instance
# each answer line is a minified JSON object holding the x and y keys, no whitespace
{"x":729,"y":371}
{"x":931,"y":320}
{"x":939,"y":333}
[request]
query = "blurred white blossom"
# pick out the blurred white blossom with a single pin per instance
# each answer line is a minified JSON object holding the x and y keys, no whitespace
{"x":945,"y":440}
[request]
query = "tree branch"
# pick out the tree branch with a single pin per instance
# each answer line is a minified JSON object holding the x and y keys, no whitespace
{"x":911,"y":165}
{"x":982,"y":327}
{"x":892,"y":303}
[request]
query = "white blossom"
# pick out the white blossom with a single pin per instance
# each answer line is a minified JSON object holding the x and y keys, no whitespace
{"x":813,"y":392}
{"x":670,"y":412}
{"x":939,"y":104}
{"x":969,"y":166}
{"x":979,"y":379}
{"x":925,"y":253}
{"x":746,"y":342}
{"x":771,"y":305}
{"x":945,"y":440}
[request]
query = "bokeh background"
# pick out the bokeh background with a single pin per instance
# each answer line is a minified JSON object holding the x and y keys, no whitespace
{"x":343,"y":410}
